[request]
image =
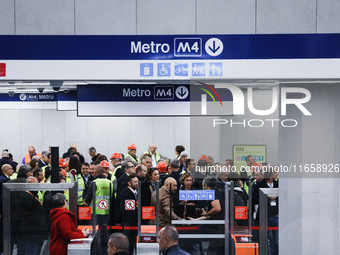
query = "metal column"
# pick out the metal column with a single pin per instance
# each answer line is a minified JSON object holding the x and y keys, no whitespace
{"x":263,"y":209}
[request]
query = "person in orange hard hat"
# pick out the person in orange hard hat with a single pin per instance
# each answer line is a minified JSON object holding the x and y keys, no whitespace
{"x":63,"y":163}
{"x":116,"y":161}
{"x":162,"y":167}
{"x":131,"y":156}
{"x":107,"y":172}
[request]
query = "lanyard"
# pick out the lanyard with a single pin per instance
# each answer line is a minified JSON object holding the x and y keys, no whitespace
{"x":34,"y":196}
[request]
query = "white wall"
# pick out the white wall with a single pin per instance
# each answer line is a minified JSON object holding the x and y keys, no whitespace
{"x":309,"y":207}
{"x":168,"y":17}
{"x":43,"y":128}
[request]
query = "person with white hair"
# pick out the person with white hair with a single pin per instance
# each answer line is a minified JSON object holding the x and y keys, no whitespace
{"x":6,"y":160}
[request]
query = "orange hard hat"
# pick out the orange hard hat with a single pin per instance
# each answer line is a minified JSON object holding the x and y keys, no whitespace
{"x":132,"y":146}
{"x":204,"y":157}
{"x":104,"y":163}
{"x":162,"y":166}
{"x":255,"y":165}
{"x":116,"y":155}
{"x":62,"y":163}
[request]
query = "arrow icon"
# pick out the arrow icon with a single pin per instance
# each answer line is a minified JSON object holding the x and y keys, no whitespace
{"x":214,"y":49}
{"x":182,"y":92}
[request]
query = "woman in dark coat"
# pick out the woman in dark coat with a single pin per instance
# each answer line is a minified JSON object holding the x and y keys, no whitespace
{"x":149,"y":185}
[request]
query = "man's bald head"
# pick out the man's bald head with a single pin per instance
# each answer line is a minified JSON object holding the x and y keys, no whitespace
{"x":73,"y":145}
{"x":98,"y":170}
{"x":171,"y":181}
{"x":7,"y":169}
{"x":31,"y":179}
{"x":31,"y":151}
{"x":152,"y":148}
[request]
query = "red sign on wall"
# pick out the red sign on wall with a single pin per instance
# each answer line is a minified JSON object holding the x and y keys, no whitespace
{"x":148,"y":212}
{"x":2,"y":69}
{"x":241,"y":212}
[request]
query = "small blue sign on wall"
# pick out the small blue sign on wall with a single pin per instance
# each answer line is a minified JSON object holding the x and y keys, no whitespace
{"x":163,"y":69}
{"x":197,"y":195}
{"x":146,"y":69}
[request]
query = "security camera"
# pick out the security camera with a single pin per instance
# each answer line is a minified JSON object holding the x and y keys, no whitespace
{"x":11,"y":93}
{"x":41,"y":90}
{"x":56,"y":84}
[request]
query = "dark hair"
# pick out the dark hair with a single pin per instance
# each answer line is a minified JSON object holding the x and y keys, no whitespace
{"x":92,"y":149}
{"x":73,"y":153}
{"x":125,"y":164}
{"x":33,"y":163}
{"x":84,"y":164}
{"x":210,"y":181}
{"x":37,"y":171}
{"x":58,"y":200}
{"x":149,"y":173}
{"x":139,"y":168}
{"x":184,"y":176}
{"x":100,"y":158}
{"x":47,"y":172}
{"x":188,"y":162}
{"x":74,"y":163}
{"x":179,"y":149}
{"x":70,"y":150}
{"x":202,"y":163}
{"x":130,"y":177}
{"x":23,"y":169}
{"x":120,"y":242}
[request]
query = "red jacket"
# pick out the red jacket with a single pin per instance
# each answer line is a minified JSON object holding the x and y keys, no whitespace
{"x":63,"y":229}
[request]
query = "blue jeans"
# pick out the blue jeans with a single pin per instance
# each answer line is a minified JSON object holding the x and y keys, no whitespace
{"x":273,"y":235}
{"x":31,"y":248}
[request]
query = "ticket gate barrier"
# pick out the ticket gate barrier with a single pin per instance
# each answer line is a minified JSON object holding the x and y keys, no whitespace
{"x":9,"y":188}
{"x":263,"y":228}
{"x":147,"y":234}
{"x":237,"y":238}
{"x":225,"y":222}
{"x":241,"y":236}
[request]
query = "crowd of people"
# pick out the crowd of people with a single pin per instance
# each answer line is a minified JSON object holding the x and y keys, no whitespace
{"x":116,"y":196}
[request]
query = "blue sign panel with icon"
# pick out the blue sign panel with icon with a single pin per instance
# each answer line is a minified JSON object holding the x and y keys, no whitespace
{"x":197,"y":195}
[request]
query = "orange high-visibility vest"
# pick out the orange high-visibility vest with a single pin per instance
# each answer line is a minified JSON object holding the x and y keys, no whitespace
{"x":28,"y":158}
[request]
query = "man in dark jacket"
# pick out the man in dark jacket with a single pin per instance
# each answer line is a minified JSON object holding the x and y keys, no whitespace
{"x":7,"y":172}
{"x":6,"y":160}
{"x":129,"y":209}
{"x":128,"y":169}
{"x":168,"y":241}
{"x":33,"y":225}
